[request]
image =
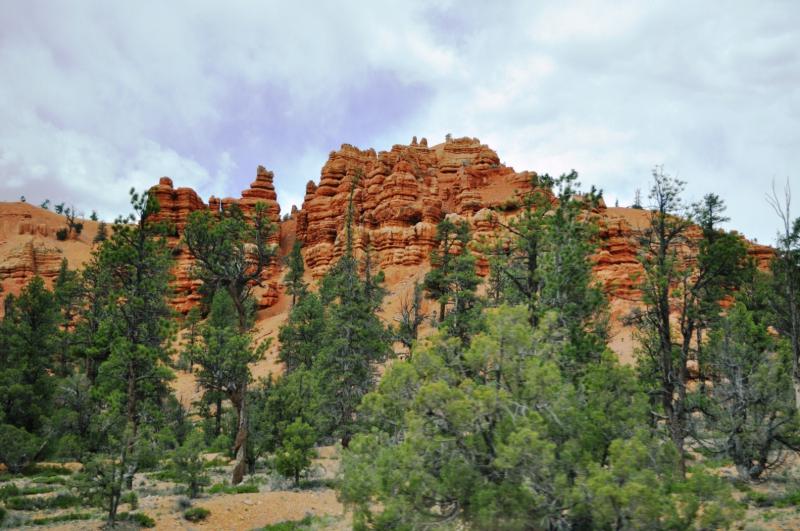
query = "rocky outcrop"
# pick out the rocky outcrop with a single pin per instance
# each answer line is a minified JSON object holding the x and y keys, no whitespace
{"x":175,"y":207}
{"x":399,"y":196}
{"x":30,"y":259}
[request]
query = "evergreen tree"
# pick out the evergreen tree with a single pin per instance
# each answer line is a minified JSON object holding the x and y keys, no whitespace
{"x":188,"y":464}
{"x":296,"y":451}
{"x":102,"y":233}
{"x":231,"y":252}
{"x":751,"y":411}
{"x":30,"y":330}
{"x":67,"y":292}
{"x":354,"y":341}
{"x":138,"y":263}
{"x":295,"y":286}
{"x":301,"y":337}
{"x":499,"y":438}
{"x":687,"y":278}
{"x":224,"y":356}
{"x":452,"y":281}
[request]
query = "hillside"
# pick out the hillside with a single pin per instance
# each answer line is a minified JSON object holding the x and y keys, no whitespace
{"x":401,"y":195}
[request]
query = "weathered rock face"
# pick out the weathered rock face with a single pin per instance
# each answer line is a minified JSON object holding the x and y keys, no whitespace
{"x":399,"y":197}
{"x":175,"y":207}
{"x":30,"y":259}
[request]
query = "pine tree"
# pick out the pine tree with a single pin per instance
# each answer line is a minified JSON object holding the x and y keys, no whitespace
{"x":355,"y":341}
{"x":138,"y":262}
{"x":751,"y":411}
{"x":301,"y":337}
{"x":224,"y":356}
{"x":67,"y":292}
{"x":685,"y":277}
{"x":295,"y":286}
{"x":231,"y":252}
{"x":453,"y":281}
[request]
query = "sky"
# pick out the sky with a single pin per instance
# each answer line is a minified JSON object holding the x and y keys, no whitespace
{"x":97,"y":97}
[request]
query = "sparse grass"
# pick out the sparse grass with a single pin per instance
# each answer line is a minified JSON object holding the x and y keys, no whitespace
{"x":774,"y":499}
{"x":224,"y":488}
{"x":25,"y":503}
{"x":293,"y":525}
{"x":61,"y":518}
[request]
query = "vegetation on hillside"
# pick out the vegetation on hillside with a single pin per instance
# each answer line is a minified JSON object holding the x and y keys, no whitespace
{"x":512,"y":413}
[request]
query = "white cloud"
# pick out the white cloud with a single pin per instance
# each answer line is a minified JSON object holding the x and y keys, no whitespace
{"x":97,"y":97}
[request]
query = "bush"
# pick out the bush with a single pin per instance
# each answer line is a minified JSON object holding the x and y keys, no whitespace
{"x":61,"y":234}
{"x":292,"y":525}
{"x":296,"y":451}
{"x":25,"y":503}
{"x":7,"y":491}
{"x":18,"y":448}
{"x":196,"y":514}
{"x":183,"y":503}
{"x":71,"y":517}
{"x":138,"y":518}
{"x":3,"y":513}
{"x":131,"y":499}
{"x":224,"y":488}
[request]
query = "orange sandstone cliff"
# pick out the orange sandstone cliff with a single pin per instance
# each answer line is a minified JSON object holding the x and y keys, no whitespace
{"x":399,"y":197}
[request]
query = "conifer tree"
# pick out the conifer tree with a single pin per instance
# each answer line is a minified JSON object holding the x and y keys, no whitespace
{"x":138,"y":263}
{"x":293,"y":280}
{"x":224,"y":356}
{"x":231,"y":252}
{"x":355,"y":341}
{"x":453,"y":281}
{"x":67,"y":292}
{"x":684,"y":277}
{"x":30,"y":331}
{"x":751,"y":412}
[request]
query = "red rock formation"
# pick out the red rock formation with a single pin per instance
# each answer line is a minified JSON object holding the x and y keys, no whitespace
{"x":30,"y":259}
{"x":399,"y":198}
{"x":176,"y":205}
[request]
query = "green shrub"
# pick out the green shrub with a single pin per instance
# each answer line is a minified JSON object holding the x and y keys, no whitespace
{"x":292,"y":525}
{"x":18,"y":448}
{"x":131,"y":499}
{"x":196,"y":514}
{"x":224,"y":488}
{"x":26,"y":503}
{"x":138,"y":518}
{"x":7,"y":491}
{"x":61,"y":518}
{"x":760,"y":499}
{"x":48,"y":471}
{"x":789,"y":499}
{"x":61,"y":234}
{"x":3,"y":513}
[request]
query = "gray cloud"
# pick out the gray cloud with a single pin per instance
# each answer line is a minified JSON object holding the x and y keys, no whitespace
{"x":96,"y":97}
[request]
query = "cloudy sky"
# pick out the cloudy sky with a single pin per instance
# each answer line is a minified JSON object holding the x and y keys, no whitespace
{"x":96,"y":97}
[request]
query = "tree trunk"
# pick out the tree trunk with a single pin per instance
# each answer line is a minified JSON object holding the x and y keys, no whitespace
{"x":240,"y":444}
{"x":218,"y":417}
